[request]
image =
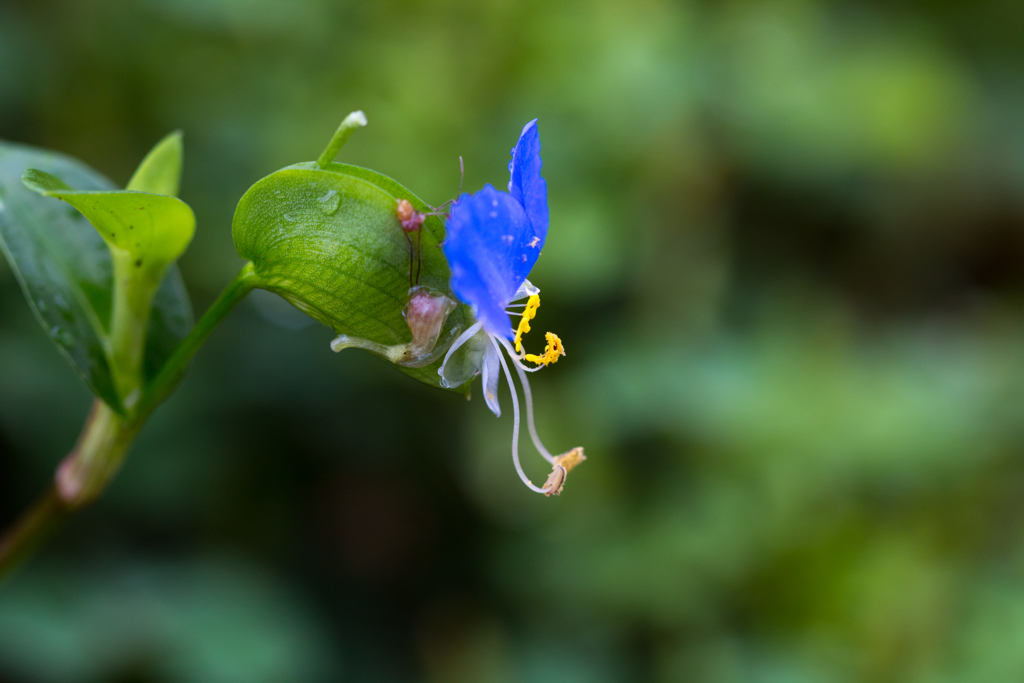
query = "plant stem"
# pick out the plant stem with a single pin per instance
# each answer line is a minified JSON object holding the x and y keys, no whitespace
{"x":354,"y":120}
{"x":31,"y":529}
{"x":133,"y":299}
{"x":167,"y":379}
{"x":81,"y":477}
{"x":96,"y":458}
{"x":107,"y":436}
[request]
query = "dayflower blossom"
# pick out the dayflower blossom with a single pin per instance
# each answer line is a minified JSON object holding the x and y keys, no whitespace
{"x":493,"y":241}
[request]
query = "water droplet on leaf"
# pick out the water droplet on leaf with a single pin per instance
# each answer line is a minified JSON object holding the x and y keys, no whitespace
{"x":62,"y":337}
{"x":63,"y":307}
{"x":330,"y":202}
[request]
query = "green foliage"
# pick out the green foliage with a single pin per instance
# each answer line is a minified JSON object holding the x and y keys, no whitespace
{"x":149,"y":231}
{"x":65,"y":268}
{"x":160,"y":171}
{"x":146,"y":233}
{"x":190,"y":621}
{"x":785,"y":259}
{"x":328,"y":241}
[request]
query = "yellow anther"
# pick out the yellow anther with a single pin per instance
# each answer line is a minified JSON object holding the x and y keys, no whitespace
{"x":529,"y":313}
{"x":554,"y":348}
{"x":552,"y":352}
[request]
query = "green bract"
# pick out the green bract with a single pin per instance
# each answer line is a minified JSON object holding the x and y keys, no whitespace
{"x":93,"y":290}
{"x":326,"y":237}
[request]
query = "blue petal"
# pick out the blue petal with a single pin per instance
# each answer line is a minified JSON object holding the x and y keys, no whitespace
{"x":529,"y":189}
{"x":485,"y":246}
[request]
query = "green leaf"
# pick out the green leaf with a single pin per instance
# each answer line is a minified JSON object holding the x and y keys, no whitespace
{"x":66,"y":272}
{"x":153,"y":229}
{"x":328,"y":240}
{"x":146,"y":233}
{"x":160,"y":171}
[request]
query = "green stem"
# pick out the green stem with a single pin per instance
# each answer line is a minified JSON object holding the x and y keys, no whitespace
{"x":31,"y":529}
{"x":356,"y":119}
{"x":129,"y":320}
{"x":107,"y":436}
{"x":97,"y":456}
{"x":81,"y":477}
{"x":167,"y":379}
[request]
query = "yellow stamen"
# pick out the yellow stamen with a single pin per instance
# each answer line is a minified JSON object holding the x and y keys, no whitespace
{"x":552,"y":352}
{"x":529,"y":313}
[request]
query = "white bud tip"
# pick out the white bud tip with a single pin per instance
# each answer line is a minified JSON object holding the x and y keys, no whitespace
{"x":356,"y":118}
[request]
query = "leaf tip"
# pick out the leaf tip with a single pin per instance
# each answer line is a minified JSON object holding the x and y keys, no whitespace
{"x":160,"y":170}
{"x":42,"y":182}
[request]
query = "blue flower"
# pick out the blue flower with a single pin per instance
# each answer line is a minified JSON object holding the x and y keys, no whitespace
{"x":494,"y":238}
{"x":493,"y":241}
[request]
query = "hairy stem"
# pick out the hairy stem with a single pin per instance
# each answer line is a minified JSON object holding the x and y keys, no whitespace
{"x":106,"y":438}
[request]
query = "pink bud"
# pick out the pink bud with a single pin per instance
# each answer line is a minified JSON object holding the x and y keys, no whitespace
{"x":425,"y":314}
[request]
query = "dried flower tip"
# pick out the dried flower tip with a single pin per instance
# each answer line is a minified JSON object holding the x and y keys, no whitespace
{"x":563,"y":464}
{"x":556,"y":480}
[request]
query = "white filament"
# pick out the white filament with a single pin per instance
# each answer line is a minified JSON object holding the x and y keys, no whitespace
{"x":515,"y":423}
{"x":463,"y":338}
{"x":518,"y":359}
{"x":529,"y":404}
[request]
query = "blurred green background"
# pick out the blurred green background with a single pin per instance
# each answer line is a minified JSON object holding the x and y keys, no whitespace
{"x":787,"y":261}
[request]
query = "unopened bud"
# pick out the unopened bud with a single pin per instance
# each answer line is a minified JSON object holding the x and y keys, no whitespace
{"x":425,"y":314}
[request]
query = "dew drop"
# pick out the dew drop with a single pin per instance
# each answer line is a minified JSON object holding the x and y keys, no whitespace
{"x":330,"y":202}
{"x":62,"y":337}
{"x":63,"y":307}
{"x":41,"y":305}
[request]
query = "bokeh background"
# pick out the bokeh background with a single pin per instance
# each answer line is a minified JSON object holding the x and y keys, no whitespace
{"x":787,"y":262}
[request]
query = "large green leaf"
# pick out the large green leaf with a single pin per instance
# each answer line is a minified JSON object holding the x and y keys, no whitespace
{"x":65,"y":269}
{"x":329,"y":241}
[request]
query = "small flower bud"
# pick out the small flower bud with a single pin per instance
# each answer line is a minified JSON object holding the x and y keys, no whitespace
{"x":425,"y":314}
